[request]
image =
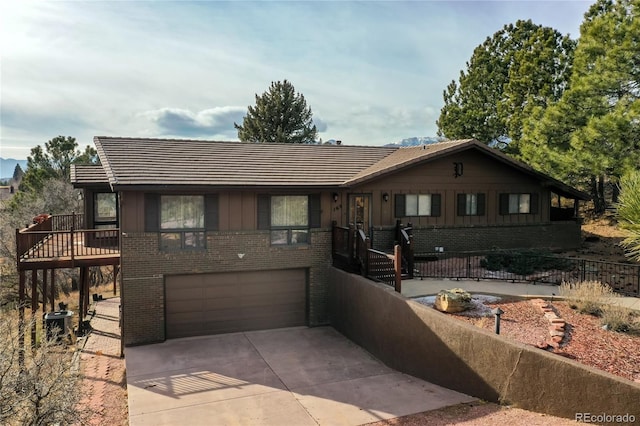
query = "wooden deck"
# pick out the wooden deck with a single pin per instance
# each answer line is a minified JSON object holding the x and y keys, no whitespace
{"x":67,"y":249}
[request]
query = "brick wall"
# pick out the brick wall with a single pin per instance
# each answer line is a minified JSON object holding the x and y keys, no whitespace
{"x":144,"y":267}
{"x":553,"y":236}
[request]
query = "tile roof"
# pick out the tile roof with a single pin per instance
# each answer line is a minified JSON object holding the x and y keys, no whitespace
{"x":82,"y":174}
{"x":161,"y":162}
{"x":130,"y":161}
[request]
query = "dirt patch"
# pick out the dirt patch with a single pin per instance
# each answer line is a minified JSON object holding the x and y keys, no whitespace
{"x":476,"y":414}
{"x":601,"y":239}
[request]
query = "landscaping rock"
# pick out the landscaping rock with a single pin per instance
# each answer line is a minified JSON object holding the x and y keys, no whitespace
{"x":454,"y":300}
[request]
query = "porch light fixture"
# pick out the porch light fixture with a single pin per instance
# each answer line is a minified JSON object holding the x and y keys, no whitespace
{"x":335,"y":197}
{"x":385,"y":197}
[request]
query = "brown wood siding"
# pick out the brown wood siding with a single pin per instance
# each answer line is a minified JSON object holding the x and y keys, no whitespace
{"x":237,"y":210}
{"x":202,"y":304}
{"x":481,"y":174}
{"x":131,"y":211}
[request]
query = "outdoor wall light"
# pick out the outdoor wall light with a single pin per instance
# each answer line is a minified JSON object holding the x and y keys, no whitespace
{"x":385,"y":197}
{"x":335,"y":197}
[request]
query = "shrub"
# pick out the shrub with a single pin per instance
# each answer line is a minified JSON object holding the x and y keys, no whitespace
{"x":588,"y":297}
{"x":523,"y":262}
{"x":619,"y":318}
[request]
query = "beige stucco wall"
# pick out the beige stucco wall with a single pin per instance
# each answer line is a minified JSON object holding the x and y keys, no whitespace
{"x":425,"y":343}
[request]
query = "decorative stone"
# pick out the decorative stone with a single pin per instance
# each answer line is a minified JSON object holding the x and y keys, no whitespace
{"x":454,"y":300}
{"x":542,"y":345}
{"x":556,"y":339}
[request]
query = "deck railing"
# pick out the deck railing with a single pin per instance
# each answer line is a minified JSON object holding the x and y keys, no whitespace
{"x":351,"y":249}
{"x":62,"y":236}
{"x":72,"y":243}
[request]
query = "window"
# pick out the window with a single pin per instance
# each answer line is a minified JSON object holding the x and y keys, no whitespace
{"x":471,"y":204}
{"x":105,"y":210}
{"x":289,"y":217}
{"x":181,"y":220}
{"x":518,"y":204}
{"x":408,"y":205}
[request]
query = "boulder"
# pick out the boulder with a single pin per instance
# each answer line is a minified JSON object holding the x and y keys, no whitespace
{"x":454,"y":300}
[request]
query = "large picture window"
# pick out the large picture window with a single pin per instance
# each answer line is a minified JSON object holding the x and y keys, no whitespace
{"x":105,"y":210}
{"x":289,"y":219}
{"x":182,"y":222}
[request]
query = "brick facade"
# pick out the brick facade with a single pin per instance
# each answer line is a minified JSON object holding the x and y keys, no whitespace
{"x":144,"y":267}
{"x":552,"y":236}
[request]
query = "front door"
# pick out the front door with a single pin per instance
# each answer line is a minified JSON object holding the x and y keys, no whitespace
{"x":360,"y":211}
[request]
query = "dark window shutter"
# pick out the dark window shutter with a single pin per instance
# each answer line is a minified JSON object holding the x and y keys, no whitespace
{"x":436,"y":201}
{"x":315,"y":212}
{"x":462,"y":204}
{"x":264,"y":211}
{"x":534,"y":204}
{"x":151,"y":212}
{"x":504,"y":204}
{"x":481,"y":204}
{"x":401,"y":206}
{"x":211,"y":212}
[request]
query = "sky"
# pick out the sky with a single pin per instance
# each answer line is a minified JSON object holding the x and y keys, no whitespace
{"x":372,"y":72}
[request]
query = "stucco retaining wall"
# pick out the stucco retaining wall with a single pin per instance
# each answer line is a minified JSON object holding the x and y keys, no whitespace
{"x":425,"y":343}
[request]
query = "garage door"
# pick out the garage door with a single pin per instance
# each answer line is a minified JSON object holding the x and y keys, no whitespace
{"x":202,"y":304}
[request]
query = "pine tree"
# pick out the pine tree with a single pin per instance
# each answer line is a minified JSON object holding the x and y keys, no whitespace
{"x":590,"y":136}
{"x":521,"y":66}
{"x":17,"y":173}
{"x":279,"y":116}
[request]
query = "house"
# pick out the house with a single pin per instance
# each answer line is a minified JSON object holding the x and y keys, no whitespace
{"x":227,"y":236}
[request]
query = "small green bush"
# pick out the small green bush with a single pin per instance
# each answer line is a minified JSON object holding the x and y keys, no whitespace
{"x":523,"y":262}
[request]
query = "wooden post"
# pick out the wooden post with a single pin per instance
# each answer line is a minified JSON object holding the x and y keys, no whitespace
{"x":34,"y":305}
{"x":397,"y":263}
{"x":53,"y":290}
{"x":116,"y":269}
{"x":45,"y":273}
{"x":81,"y":300}
{"x":21,"y":330}
{"x":86,"y":292}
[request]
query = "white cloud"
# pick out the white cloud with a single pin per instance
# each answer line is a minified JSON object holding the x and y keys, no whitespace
{"x":371,"y":72}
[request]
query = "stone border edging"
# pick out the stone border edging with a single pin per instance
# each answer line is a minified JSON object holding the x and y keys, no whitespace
{"x":556,"y":324}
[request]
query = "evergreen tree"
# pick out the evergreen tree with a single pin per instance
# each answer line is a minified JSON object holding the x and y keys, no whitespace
{"x":18,"y":173}
{"x":279,"y":115}
{"x":521,"y":66}
{"x":55,"y":161}
{"x":590,"y":137}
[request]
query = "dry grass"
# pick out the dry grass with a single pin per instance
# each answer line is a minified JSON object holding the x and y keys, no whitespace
{"x":595,"y":298}
{"x":588,"y":297}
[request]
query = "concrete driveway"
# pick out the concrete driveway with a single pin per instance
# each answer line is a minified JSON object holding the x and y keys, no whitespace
{"x":295,"y":376}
